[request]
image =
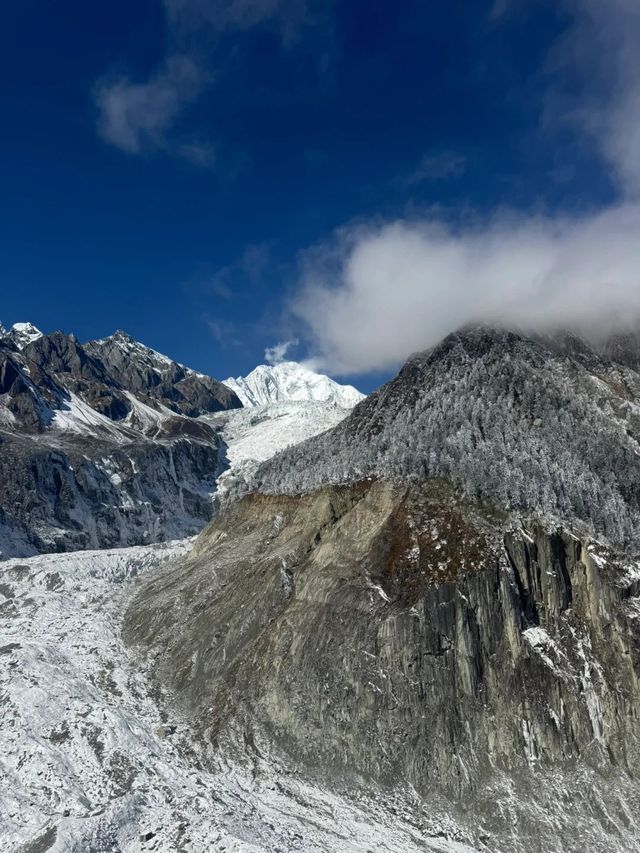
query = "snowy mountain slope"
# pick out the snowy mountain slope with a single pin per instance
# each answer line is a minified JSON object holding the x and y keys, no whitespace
{"x":152,"y":376}
{"x":92,"y":758}
{"x":254,"y":434}
{"x":117,"y":444}
{"x":541,"y":425}
{"x":287,"y":381}
{"x":99,"y":443}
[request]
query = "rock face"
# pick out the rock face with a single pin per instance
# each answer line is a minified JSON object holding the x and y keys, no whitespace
{"x":146,"y":372}
{"x":97,"y":443}
{"x":446,"y":598}
{"x":402,"y":638}
{"x":69,"y":494}
{"x":289,"y":381}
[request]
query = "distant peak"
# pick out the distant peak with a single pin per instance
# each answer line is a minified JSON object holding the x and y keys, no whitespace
{"x":290,"y":381}
{"x":119,"y":335}
{"x":23,"y":333}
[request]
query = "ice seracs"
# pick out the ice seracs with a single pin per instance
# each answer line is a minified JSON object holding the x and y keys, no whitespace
{"x":291,"y":381}
{"x":256,"y":433}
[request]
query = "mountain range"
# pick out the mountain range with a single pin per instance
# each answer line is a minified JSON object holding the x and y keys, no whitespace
{"x":109,"y":442}
{"x":440,"y":594}
{"x":410,"y":624}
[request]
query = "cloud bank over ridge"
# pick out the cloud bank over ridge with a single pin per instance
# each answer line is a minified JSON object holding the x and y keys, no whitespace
{"x":371,"y":296}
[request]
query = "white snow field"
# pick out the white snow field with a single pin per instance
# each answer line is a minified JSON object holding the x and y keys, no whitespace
{"x":92,"y":761}
{"x":255,"y":434}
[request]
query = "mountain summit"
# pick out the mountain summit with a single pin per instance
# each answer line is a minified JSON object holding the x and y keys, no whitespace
{"x":291,"y":381}
{"x":533,"y":424}
{"x":21,"y":334}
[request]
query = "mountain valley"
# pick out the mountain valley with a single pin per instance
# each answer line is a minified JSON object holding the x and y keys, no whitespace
{"x":413,"y":624}
{"x":100,"y":442}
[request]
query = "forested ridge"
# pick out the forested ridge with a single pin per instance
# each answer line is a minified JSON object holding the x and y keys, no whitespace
{"x":545,"y":426}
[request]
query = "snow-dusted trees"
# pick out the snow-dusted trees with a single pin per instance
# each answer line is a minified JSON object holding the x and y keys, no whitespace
{"x":515,"y":424}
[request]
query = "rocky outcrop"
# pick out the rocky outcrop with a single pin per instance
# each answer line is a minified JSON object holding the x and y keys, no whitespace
{"x":155,"y":377}
{"x":96,"y":494}
{"x":374,"y":634}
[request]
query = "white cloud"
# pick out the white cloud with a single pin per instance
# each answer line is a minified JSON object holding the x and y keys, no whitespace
{"x":601,"y":47}
{"x":137,"y":116}
{"x":373,"y":295}
{"x":277,"y":353}
{"x":230,"y":15}
{"x":388,"y":291}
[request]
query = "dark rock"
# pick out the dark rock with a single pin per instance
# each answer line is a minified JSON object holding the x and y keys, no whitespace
{"x":42,"y":843}
{"x":140,"y":473}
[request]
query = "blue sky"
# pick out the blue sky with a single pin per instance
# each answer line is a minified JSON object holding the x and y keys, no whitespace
{"x":206,"y":173}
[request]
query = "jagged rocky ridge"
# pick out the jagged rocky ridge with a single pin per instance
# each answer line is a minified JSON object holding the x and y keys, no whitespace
{"x":427,"y":622}
{"x":98,"y":443}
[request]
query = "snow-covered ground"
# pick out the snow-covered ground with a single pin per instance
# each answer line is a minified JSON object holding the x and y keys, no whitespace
{"x":91,"y":759}
{"x":257,"y":433}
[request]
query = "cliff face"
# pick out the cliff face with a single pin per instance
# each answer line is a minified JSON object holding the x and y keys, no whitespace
{"x":402,"y":636}
{"x":97,"y":494}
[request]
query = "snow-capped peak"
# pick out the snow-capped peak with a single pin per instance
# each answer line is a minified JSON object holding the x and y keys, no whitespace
{"x":23,"y":333}
{"x":289,"y":380}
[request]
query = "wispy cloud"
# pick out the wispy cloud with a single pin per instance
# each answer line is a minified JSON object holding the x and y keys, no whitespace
{"x":236,"y":15}
{"x":277,"y":353}
{"x":246,"y":272}
{"x":136,"y":116}
{"x":225,"y":332}
{"x":442,"y":166}
{"x":139,"y":116}
{"x":603,"y":42}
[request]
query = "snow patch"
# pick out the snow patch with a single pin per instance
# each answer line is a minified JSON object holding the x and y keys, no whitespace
{"x":23,"y":333}
{"x":90,"y":759}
